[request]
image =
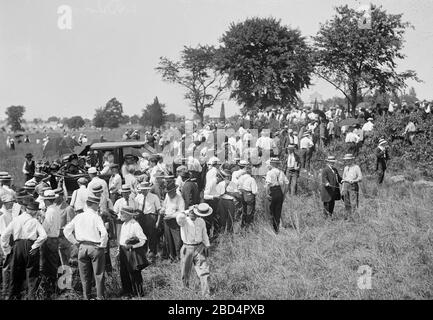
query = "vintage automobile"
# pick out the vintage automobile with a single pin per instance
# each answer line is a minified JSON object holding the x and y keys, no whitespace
{"x":118,"y":148}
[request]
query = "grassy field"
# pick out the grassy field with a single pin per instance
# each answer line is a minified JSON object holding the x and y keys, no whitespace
{"x":392,"y":234}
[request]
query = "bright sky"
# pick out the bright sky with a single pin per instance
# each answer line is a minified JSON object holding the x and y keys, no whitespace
{"x":114,"y":46}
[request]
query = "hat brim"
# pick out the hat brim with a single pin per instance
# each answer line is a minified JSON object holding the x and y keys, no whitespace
{"x":349,"y":158}
{"x":125,"y":191}
{"x":132,"y":214}
{"x":144,"y":188}
{"x":200,"y":214}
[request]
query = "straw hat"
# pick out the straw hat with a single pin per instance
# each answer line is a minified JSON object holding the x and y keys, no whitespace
{"x":382,"y":141}
{"x":82,"y":180}
{"x":144,"y":186}
{"x":7,"y":198}
{"x":97,"y":188}
{"x":49,"y":195}
{"x":92,"y":170}
{"x":243,"y":163}
{"x":128,"y":210}
{"x":202,"y":210}
{"x":348,"y":156}
{"x":94,"y":199}
{"x":331,"y":159}
{"x":125,"y":188}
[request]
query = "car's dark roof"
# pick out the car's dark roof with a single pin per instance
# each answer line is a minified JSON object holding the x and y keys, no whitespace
{"x":117,"y":144}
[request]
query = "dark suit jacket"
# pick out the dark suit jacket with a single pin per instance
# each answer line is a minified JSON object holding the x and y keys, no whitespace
{"x":190,"y":193}
{"x":332,"y":192}
{"x":381,"y":158}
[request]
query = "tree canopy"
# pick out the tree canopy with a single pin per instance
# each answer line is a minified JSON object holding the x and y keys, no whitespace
{"x":109,"y":116}
{"x":75,"y":122}
{"x":267,"y":63}
{"x":358,"y":60}
{"x":197,"y":73}
{"x":154,"y":114}
{"x":15,"y":117}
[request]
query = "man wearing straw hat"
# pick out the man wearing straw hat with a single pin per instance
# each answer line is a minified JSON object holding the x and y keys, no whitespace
{"x":276,"y":182}
{"x":149,"y":205}
{"x":91,"y":236}
{"x":131,"y":279}
{"x":25,"y":251}
{"x":382,"y":157}
{"x":306,"y":150}
{"x":50,"y":259}
{"x":351,"y":177}
{"x":247,"y":185}
{"x":228,"y":195}
{"x":195,"y":248}
{"x":330,"y":187}
{"x":95,"y":181}
{"x":292,"y":168}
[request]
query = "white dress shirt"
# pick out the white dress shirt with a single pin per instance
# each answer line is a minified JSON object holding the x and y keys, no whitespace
{"x":5,"y":219}
{"x":88,"y":226}
{"x":131,"y":229}
{"x":152,"y":203}
{"x":352,"y":173}
{"x":79,"y":198}
{"x":173,"y":205}
{"x":306,"y":143}
{"x":247,"y":183}
{"x":51,"y":222}
{"x":236,"y":175}
{"x":276,"y":177}
{"x":192,"y":232}
{"x":23,"y":227}
{"x":352,"y":137}
{"x":210,"y":190}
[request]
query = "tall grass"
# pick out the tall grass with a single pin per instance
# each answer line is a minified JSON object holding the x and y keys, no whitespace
{"x":392,"y":233}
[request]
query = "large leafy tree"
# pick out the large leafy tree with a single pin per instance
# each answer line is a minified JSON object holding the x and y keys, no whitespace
{"x":358,"y":60}
{"x":154,"y":114}
{"x":196,"y":72}
{"x":15,"y":117}
{"x":75,"y":122}
{"x":267,"y":63}
{"x":109,"y":116}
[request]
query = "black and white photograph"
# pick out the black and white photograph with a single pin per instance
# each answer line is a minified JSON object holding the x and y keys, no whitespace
{"x":216,"y":152}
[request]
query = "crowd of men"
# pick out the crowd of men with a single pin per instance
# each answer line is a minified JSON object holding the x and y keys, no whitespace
{"x":156,"y":207}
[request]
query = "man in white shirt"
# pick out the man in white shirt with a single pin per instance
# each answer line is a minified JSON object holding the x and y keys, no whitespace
{"x":276,"y":182}
{"x":195,"y":249}
{"x":28,"y":235}
{"x":50,"y":259}
{"x":265,"y":144}
{"x":247,"y":185}
{"x":306,"y":151}
{"x":292,"y":169}
{"x":351,"y":177}
{"x":228,"y":195}
{"x":211,"y":195}
{"x":131,"y":279}
{"x":148,"y":207}
{"x":79,"y":196}
{"x":368,"y":126}
{"x":92,"y":237}
{"x":352,"y":140}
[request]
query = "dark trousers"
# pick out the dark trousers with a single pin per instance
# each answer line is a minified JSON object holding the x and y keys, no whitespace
{"x":132,"y":281}
{"x":329,"y":207}
{"x":6,"y":275}
{"x":50,"y":262}
{"x":24,"y":267}
{"x":148,"y":224}
{"x":65,"y":249}
{"x":293,"y":176}
{"x":91,"y":264}
{"x":172,"y":238}
{"x":277,"y":199}
{"x":28,"y":176}
{"x":226,"y":211}
{"x":212,"y":220}
{"x":248,"y":208}
{"x":305,"y":155}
